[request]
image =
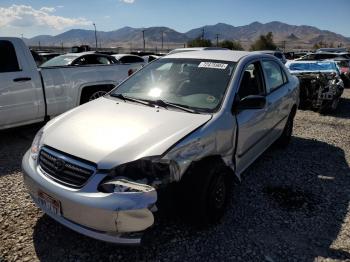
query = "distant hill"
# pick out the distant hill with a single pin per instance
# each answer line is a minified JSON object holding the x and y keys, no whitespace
{"x":291,"y":35}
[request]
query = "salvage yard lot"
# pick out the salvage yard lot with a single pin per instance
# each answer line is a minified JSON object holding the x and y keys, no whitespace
{"x":293,"y":205}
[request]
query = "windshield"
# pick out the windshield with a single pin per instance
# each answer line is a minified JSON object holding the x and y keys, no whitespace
{"x":61,"y":60}
{"x":196,"y":84}
{"x":317,"y":66}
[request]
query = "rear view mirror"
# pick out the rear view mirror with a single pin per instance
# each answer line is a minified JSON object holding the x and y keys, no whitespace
{"x":250,"y":102}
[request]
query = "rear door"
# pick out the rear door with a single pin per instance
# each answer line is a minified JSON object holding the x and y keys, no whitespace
{"x":278,"y":104}
{"x":19,"y":101}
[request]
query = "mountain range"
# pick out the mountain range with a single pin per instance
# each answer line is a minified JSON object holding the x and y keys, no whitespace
{"x":284,"y":34}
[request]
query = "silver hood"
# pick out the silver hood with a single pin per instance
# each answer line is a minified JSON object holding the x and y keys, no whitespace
{"x":111,"y":132}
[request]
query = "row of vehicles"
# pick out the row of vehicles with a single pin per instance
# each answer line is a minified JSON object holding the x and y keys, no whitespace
{"x":182,"y":129}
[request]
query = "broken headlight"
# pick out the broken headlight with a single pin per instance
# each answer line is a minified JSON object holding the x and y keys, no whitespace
{"x":124,"y":186}
{"x":147,"y":171}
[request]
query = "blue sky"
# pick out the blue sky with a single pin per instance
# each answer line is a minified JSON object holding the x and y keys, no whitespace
{"x":32,"y":18}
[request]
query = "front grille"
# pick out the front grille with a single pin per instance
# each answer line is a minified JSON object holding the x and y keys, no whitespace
{"x":64,"y":169}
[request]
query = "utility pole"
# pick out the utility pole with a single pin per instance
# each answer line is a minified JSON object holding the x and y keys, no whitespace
{"x":95,"y":35}
{"x":203,"y":33}
{"x":284,"y":46}
{"x":62,"y":46}
{"x":144,"y":43}
{"x":217,"y":40}
{"x":162,"y":40}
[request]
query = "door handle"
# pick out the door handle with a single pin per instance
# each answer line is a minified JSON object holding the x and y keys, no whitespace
{"x":22,"y":79}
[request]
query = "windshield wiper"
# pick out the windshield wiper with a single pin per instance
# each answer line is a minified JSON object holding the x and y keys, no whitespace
{"x":166,"y":104}
{"x":128,"y":98}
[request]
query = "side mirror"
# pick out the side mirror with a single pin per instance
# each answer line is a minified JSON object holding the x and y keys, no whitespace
{"x":250,"y":102}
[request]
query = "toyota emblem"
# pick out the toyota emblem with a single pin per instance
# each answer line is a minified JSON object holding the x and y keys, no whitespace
{"x":59,"y":165}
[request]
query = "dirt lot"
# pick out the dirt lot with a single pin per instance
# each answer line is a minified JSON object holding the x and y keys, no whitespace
{"x":293,"y":205}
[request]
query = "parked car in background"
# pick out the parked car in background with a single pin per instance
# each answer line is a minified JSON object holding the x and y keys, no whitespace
{"x":136,"y":62}
{"x":189,"y":49}
{"x":46,"y":56}
{"x":323,"y":56}
{"x":29,"y":94}
{"x":279,"y":54}
{"x":183,"y":127}
{"x":41,"y":56}
{"x":129,"y":59}
{"x":80,"y":59}
{"x":150,"y":58}
{"x":320,"y":84}
{"x":332,"y":50}
{"x":344,"y":68}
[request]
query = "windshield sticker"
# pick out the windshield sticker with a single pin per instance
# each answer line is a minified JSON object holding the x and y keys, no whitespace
{"x":210,"y":99}
{"x":212,"y":65}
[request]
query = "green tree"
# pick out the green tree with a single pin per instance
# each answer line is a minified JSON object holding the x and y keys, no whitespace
{"x":316,"y":46}
{"x":233,"y":45}
{"x":199,"y":42}
{"x":265,"y":42}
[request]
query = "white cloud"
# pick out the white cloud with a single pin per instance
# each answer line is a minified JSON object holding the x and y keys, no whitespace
{"x":127,"y":1}
{"x":27,"y":16}
{"x":48,"y":9}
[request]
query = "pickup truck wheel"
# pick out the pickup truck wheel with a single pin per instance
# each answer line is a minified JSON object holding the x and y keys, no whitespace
{"x":96,"y":95}
{"x":286,"y":135}
{"x":92,"y":93}
{"x":205,"y":194}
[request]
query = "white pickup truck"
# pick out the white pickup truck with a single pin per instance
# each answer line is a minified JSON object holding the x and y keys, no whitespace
{"x":29,"y":94}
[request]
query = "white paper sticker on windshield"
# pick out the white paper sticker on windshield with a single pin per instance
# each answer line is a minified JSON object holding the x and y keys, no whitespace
{"x":212,"y":65}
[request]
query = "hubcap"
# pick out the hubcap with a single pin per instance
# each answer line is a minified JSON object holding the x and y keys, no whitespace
{"x":219,"y":193}
{"x":97,"y":95}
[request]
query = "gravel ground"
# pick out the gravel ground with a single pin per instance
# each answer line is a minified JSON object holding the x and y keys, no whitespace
{"x":291,"y":206}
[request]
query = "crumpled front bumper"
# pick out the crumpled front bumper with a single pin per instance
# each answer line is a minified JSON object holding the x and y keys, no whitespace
{"x":110,"y":217}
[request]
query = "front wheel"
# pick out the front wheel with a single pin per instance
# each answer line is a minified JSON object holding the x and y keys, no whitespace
{"x":206,"y":191}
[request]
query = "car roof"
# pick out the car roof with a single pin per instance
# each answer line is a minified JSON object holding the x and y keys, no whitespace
{"x":223,"y":55}
{"x":118,"y":56}
{"x":309,"y":61}
{"x":268,"y":51}
{"x":85,"y":53}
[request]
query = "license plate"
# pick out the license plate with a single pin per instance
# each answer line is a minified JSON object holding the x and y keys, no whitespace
{"x":49,"y":204}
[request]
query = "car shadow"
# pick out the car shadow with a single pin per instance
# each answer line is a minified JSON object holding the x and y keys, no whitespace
{"x":280,"y":210}
{"x":14,"y":143}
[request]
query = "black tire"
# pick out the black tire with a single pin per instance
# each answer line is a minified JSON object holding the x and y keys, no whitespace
{"x":286,"y":136}
{"x":329,"y":107}
{"x":205,"y":193}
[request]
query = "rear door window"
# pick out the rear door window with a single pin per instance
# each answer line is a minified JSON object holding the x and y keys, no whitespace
{"x":273,"y":74}
{"x":8,"y":58}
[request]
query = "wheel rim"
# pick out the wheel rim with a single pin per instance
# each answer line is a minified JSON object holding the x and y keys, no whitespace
{"x":218,"y":195}
{"x":97,"y":95}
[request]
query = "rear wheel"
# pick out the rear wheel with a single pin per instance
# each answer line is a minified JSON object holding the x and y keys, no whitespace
{"x":92,"y":93}
{"x":286,"y":135}
{"x":97,"y":94}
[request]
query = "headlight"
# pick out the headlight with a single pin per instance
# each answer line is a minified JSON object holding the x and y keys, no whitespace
{"x":148,"y":168}
{"x":147,"y":171}
{"x":34,"y":150}
{"x":124,"y":186}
